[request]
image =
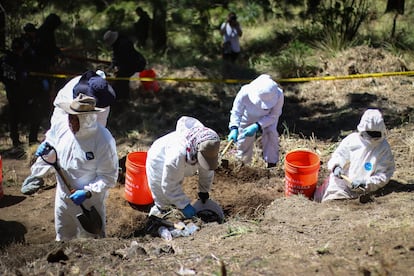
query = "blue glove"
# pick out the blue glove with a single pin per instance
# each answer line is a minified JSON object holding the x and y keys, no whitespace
{"x":233,"y":135}
{"x":44,"y":148}
{"x":338,"y":172}
{"x":188,"y":211}
{"x":356,"y":184}
{"x":250,"y":130}
{"x":79,"y":196}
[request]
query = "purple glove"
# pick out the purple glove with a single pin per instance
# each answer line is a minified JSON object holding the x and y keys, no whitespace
{"x":188,"y":211}
{"x":79,"y":196}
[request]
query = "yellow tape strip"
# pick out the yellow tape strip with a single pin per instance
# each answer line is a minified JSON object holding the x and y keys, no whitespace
{"x":356,"y":76}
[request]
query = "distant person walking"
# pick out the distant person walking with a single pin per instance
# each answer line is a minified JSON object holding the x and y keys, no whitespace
{"x":231,"y":32}
{"x":126,"y":61}
{"x":142,"y":26}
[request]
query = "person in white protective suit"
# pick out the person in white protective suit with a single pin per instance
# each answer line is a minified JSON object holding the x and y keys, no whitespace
{"x":192,"y":148}
{"x":89,"y":83}
{"x":365,"y":157}
{"x":87,"y":156}
{"x":257,"y":106}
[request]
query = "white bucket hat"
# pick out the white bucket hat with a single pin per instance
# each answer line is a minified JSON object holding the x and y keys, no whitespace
{"x":262,"y":92}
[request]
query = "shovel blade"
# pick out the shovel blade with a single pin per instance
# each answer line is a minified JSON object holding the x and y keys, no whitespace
{"x":90,"y":220}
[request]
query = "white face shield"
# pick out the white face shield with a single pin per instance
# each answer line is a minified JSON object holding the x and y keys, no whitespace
{"x":87,"y":125}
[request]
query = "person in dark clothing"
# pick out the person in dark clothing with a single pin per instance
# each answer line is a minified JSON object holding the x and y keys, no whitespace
{"x":126,"y":60}
{"x":47,"y":52}
{"x":30,"y":40}
{"x":142,"y":26}
{"x":37,"y":98}
{"x":46,"y":46}
{"x":13,"y":75}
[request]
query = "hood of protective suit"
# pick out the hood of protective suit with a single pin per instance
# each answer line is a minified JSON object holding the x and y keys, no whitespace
{"x":202,"y":143}
{"x":263,"y":91}
{"x":185,"y":123}
{"x":87,"y":126}
{"x":372,"y":120}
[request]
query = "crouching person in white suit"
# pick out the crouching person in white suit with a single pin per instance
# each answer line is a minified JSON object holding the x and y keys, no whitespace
{"x":192,"y":148}
{"x":364,"y":158}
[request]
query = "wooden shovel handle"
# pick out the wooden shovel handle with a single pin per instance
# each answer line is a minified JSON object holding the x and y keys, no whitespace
{"x":347,"y":179}
{"x":227,"y":147}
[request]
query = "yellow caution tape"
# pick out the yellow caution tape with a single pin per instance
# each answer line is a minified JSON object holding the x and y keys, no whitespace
{"x":355,"y":76}
{"x":285,"y":80}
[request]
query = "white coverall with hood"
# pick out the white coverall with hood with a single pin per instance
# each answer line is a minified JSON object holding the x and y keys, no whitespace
{"x":260,"y":101}
{"x":89,"y":161}
{"x":65,"y":94}
{"x":362,"y":159}
{"x":167,"y":165}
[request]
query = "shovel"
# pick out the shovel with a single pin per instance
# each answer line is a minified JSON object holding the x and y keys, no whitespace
{"x":225,"y":162}
{"x":90,"y":220}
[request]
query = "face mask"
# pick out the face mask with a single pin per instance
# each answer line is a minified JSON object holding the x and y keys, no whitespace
{"x":371,"y":136}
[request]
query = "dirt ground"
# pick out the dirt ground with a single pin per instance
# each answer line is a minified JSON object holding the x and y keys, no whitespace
{"x":265,"y":232}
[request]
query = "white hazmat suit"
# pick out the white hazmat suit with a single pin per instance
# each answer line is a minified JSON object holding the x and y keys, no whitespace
{"x":363,"y":159}
{"x":89,"y":161}
{"x":260,"y":101}
{"x":38,"y":170}
{"x":168,"y":163}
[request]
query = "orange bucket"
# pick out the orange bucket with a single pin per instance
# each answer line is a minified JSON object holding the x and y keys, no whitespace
{"x":149,"y":85}
{"x":136,"y":183}
{"x":301,"y":172}
{"x":1,"y":178}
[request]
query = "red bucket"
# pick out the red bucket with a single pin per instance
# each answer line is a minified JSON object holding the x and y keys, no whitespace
{"x":137,"y":190}
{"x":149,"y":85}
{"x":301,"y":172}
